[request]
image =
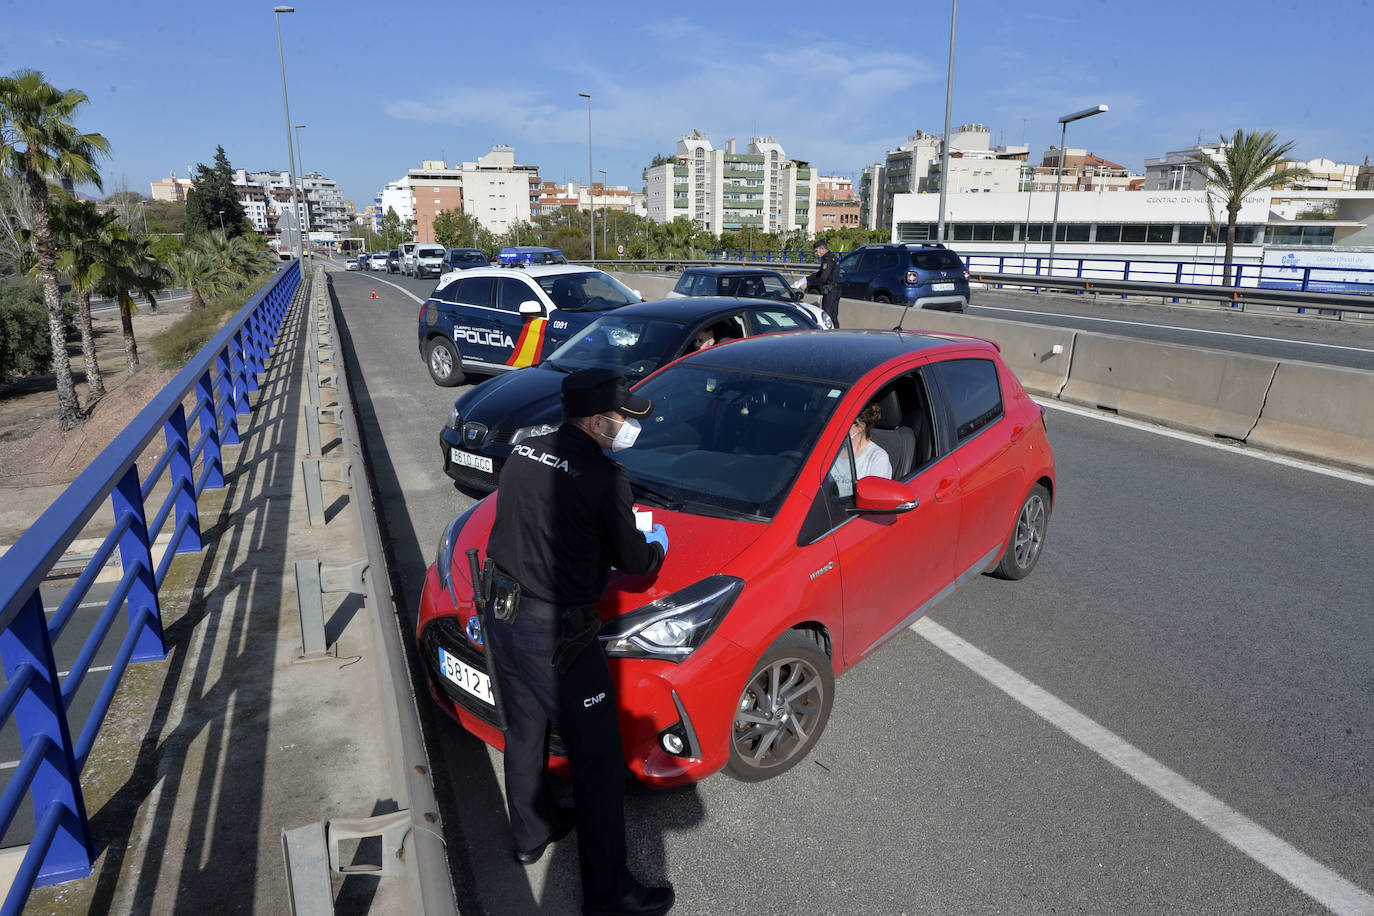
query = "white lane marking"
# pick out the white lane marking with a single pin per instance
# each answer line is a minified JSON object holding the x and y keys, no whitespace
{"x":94,"y":669}
{"x":402,"y":289}
{"x":1306,"y":874}
{"x":1171,"y":327}
{"x":1195,"y":439}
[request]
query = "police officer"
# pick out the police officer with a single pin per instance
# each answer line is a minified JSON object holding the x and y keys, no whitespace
{"x":564,"y":517}
{"x":824,"y":282}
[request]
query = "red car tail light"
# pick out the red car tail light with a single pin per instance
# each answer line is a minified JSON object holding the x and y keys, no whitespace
{"x":913,"y":278}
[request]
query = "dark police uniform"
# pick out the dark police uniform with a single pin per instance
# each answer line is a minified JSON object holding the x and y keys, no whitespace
{"x":564,"y":517}
{"x":824,"y":282}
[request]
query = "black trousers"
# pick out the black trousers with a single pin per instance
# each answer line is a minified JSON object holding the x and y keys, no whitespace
{"x":580,"y":702}
{"x":830,"y":304}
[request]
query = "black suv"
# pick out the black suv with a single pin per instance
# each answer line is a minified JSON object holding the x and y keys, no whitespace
{"x":926,"y":275}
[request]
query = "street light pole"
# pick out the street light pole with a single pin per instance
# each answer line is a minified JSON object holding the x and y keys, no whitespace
{"x":1059,"y":179}
{"x":944,"y":155}
{"x":286,"y":108}
{"x":605,"y":252}
{"x":221,"y":221}
{"x":305,"y":198}
{"x":591,"y":175}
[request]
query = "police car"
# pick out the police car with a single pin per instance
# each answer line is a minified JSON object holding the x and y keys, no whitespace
{"x":492,"y":319}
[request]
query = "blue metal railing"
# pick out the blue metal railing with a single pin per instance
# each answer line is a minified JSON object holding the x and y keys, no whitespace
{"x":1298,"y":278}
{"x":221,"y":377}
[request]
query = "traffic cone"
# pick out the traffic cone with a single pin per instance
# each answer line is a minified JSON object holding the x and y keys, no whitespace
{"x":374,"y":295}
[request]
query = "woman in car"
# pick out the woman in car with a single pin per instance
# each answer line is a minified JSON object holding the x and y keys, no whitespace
{"x":870,"y":459}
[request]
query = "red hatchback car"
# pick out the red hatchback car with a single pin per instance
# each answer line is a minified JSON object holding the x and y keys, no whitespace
{"x":782,"y":571}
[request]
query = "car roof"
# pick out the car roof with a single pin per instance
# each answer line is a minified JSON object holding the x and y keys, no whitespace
{"x":838,"y":357}
{"x":690,"y":308}
{"x":532,"y":270}
{"x":729,"y":271}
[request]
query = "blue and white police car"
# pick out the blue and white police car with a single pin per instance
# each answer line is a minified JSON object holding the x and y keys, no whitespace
{"x":489,"y":320}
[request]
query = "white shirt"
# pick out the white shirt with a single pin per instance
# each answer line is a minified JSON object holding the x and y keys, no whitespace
{"x":871,"y":462}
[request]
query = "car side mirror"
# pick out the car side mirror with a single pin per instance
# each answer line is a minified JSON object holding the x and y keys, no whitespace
{"x":637,"y":293}
{"x":881,"y":496}
{"x":798,"y":295}
{"x":531,"y":307}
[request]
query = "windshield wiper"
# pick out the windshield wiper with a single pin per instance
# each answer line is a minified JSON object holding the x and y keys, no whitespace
{"x":658,"y":497}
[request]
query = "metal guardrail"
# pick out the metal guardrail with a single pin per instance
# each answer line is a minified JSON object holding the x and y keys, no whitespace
{"x":221,"y":375}
{"x":1090,"y":281}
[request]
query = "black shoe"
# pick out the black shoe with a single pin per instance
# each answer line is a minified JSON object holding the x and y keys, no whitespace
{"x":641,"y":901}
{"x":563,"y":823}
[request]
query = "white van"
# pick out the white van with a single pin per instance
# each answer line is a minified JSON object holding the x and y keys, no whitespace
{"x":429,"y":260}
{"x":407,"y":257}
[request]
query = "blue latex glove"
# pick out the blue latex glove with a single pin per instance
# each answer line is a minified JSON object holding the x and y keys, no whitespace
{"x":658,"y":535}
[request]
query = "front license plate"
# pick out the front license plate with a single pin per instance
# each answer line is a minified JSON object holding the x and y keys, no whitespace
{"x":466,"y":677}
{"x":942,"y":287}
{"x":469,"y":460}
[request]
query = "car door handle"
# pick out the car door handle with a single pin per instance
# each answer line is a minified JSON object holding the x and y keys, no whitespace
{"x":1017,"y":432}
{"x":947,"y":488}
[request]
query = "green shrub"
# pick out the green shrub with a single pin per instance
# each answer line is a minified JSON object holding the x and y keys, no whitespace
{"x":25,"y":347}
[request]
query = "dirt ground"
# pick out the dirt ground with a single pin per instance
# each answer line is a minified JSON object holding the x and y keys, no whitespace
{"x":37,"y":460}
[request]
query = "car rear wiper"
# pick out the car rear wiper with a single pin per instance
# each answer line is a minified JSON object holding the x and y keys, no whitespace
{"x":648,"y":494}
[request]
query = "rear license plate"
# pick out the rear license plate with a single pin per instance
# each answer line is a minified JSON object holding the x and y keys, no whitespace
{"x":469,"y":460}
{"x":942,"y":287}
{"x":466,"y":677}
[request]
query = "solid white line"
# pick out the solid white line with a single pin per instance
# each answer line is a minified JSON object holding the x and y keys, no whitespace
{"x":1171,"y":327}
{"x":1195,"y":439}
{"x":1300,"y":870}
{"x":402,"y":289}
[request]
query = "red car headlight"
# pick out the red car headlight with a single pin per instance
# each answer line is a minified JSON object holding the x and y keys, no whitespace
{"x":674,"y":626}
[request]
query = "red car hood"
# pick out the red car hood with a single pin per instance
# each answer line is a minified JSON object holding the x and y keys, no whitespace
{"x":698,"y":546}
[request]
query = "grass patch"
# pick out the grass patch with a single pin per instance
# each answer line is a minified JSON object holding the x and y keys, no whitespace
{"x":175,"y":346}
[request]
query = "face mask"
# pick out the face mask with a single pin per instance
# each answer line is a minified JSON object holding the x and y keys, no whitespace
{"x":625,"y":436}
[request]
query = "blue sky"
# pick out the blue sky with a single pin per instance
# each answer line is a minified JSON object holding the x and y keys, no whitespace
{"x":382,"y":86}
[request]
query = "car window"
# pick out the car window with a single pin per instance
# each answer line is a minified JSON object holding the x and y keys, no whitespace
{"x":685,"y":284}
{"x":974,"y":392}
{"x":736,"y":440}
{"x":510,"y":292}
{"x":868,"y":261}
{"x":775,"y":287}
{"x":473,"y":291}
{"x":769,"y":320}
{"x":936,"y":259}
{"x":850,"y":261}
{"x":631,"y":345}
{"x":586,"y":291}
{"x":888,"y":260}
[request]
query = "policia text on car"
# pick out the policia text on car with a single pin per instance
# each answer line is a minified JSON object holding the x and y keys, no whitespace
{"x":564,"y":517}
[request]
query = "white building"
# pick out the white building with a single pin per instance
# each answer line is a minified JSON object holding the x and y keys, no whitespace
{"x":724,"y":190}
{"x":497,"y":191}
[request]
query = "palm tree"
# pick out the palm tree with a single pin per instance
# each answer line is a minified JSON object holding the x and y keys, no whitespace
{"x":131,"y":269}
{"x":196,"y":270}
{"x":38,"y":117}
{"x":234,"y":256}
{"x":82,"y":235}
{"x":1249,"y":162}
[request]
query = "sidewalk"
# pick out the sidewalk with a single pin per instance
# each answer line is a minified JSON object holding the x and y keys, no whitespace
{"x":208,"y":755}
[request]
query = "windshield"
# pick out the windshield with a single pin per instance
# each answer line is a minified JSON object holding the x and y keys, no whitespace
{"x":467,"y":257}
{"x":592,"y":291}
{"x":632,"y":346}
{"x":726,"y":442}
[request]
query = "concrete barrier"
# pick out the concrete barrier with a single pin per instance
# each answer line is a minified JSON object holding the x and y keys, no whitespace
{"x":1205,"y":391}
{"x":1322,"y":412}
{"x":1029,"y":349}
{"x":650,"y":286}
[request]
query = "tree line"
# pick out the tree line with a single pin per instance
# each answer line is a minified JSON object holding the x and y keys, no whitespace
{"x":50,"y":237}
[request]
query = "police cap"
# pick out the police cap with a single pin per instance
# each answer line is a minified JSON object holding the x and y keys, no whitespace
{"x":592,"y":391}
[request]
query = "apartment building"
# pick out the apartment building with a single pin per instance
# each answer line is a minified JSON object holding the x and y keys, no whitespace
{"x":725,"y":190}
{"x":494,"y":189}
{"x":605,"y":197}
{"x":171,"y":188}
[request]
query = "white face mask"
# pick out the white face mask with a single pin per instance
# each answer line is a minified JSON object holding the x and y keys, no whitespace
{"x":625,"y":436}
